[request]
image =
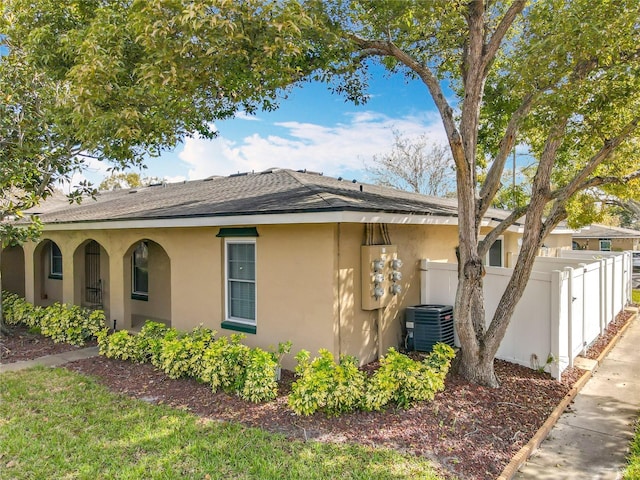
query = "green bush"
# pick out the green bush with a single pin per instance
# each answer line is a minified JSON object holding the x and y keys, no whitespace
{"x":62,"y":323}
{"x":18,"y":311}
{"x":71,"y":323}
{"x":224,"y":363}
{"x":324,"y":385}
{"x":121,"y":345}
{"x":150,"y":340}
{"x":404,"y":381}
{"x":260,"y":384}
{"x":332,"y":388}
{"x":182,"y":356}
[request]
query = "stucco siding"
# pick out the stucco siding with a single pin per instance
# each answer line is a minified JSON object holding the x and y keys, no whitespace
{"x":13,"y":270}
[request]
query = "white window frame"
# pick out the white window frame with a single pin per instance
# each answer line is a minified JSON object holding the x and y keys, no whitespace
{"x":54,"y":274}
{"x":135,"y":294}
{"x":235,"y":241}
{"x":607,"y":240}
{"x":486,"y":257}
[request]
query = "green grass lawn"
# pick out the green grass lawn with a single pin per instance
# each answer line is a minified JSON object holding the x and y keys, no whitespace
{"x":59,"y":424}
{"x":633,"y":469}
{"x":635,"y":296}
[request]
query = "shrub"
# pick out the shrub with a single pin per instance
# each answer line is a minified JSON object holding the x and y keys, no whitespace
{"x":150,"y":341}
{"x":325,"y":385}
{"x":120,"y":345}
{"x":224,"y":363}
{"x":71,"y":323}
{"x":183,"y":355}
{"x":405,"y":381}
{"x":18,"y":311}
{"x":62,"y":323}
{"x":260,"y":384}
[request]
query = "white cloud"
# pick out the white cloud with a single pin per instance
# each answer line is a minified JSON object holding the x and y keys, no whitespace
{"x":331,"y":149}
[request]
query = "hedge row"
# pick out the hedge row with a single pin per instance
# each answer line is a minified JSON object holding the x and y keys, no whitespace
{"x":335,"y":388}
{"x":224,"y":363}
{"x":62,"y":323}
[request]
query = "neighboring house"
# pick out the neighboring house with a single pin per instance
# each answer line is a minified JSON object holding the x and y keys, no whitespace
{"x":606,"y":239}
{"x":278,"y":255}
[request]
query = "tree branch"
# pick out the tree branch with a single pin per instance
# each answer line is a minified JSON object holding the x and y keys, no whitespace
{"x":492,"y":236}
{"x":580,"y":181}
{"x":501,"y":30}
{"x":492,"y":183}
{"x":388,"y":49}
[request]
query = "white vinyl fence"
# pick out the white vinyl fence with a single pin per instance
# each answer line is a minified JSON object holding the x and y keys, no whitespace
{"x":567,"y":303}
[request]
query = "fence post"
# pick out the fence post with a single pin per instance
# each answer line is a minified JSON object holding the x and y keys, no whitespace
{"x":584,"y":309}
{"x":570,"y":298}
{"x":424,"y":272}
{"x":554,"y":318}
{"x":603,"y":293}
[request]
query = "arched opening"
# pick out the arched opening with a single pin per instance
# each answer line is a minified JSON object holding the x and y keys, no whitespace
{"x":13,"y":270}
{"x":91,"y":280}
{"x":147,"y":283}
{"x":47,"y":264}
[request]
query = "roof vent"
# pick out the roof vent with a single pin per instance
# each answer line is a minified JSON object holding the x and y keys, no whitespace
{"x":239,"y":174}
{"x":354,"y":181}
{"x":133,"y":191}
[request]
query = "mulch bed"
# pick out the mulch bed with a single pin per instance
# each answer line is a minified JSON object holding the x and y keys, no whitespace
{"x":25,"y":345}
{"x":470,"y":431}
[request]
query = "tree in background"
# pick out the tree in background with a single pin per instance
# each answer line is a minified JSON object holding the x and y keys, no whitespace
{"x":415,"y":165}
{"x":120,"y":180}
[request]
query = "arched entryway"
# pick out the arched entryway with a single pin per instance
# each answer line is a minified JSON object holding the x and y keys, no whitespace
{"x":91,"y":279}
{"x":47,"y":264}
{"x":13,"y":270}
{"x":147,"y":283}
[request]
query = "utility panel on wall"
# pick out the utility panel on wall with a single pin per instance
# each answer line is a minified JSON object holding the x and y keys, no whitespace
{"x":380,"y":275}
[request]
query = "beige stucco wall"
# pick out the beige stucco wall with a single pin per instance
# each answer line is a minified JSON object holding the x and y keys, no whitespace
{"x":359,"y":328}
{"x":556,"y":242}
{"x":49,"y":290}
{"x":308,"y":281}
{"x":13,"y":270}
{"x":617,"y":244}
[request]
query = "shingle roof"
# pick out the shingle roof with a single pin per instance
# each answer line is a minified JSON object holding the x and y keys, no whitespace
{"x":603,"y":231}
{"x":273,"y":191}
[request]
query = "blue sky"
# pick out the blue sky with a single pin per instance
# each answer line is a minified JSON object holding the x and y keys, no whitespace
{"x":313,"y":129}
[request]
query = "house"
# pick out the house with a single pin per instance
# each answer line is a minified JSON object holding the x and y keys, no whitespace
{"x":606,"y":239}
{"x":278,"y":255}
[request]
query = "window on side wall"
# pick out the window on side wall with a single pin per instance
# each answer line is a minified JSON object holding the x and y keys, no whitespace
{"x":494,"y":256}
{"x":605,"y":245}
{"x":55,"y":261}
{"x":240,"y":284}
{"x":140,"y":272}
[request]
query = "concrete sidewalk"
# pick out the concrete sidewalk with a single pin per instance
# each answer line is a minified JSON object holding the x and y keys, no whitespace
{"x":51,"y":360}
{"x":591,"y":438}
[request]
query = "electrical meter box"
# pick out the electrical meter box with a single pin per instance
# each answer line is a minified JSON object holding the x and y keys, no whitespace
{"x":380,"y":275}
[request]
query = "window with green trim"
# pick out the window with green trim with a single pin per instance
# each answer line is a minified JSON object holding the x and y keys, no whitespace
{"x":55,"y":261}
{"x":241,"y":281}
{"x":140,"y":272}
